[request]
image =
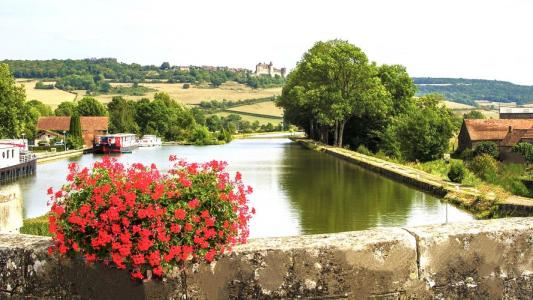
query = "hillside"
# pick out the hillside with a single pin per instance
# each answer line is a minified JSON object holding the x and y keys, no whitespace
{"x":94,"y":73}
{"x":468,"y":90}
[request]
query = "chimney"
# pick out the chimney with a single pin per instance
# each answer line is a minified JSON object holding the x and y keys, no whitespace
{"x":510,"y":129}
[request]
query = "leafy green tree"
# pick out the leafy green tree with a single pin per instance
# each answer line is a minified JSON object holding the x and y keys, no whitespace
{"x":400,"y":86}
{"x":474,"y":114}
{"x":165,"y":66}
{"x":331,"y":84}
{"x":89,"y":106}
{"x":423,"y":133}
{"x":122,"y":115}
{"x":42,"y":109}
{"x":12,"y":106}
{"x":67,"y":108}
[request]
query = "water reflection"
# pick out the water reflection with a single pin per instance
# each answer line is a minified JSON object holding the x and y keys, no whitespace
{"x":296,"y":191}
{"x":333,"y":195}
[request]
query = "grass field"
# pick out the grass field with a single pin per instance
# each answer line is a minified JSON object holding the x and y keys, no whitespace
{"x":50,"y":97}
{"x":253,"y":118}
{"x":192,"y":95}
{"x":264,"y":108}
{"x":460,"y":109}
{"x":455,"y":105}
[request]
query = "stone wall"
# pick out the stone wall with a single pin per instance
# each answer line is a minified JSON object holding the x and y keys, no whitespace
{"x":479,"y":260}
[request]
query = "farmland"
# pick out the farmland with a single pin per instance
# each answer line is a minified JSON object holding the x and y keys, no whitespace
{"x":251,"y":119}
{"x":192,"y":95}
{"x":460,"y":109}
{"x":262,"y":108}
{"x":51,"y":97}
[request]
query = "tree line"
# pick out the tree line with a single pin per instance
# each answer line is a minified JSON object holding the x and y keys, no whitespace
{"x":95,"y":74}
{"x":468,"y":90}
{"x":341,"y":98}
{"x":162,"y":116}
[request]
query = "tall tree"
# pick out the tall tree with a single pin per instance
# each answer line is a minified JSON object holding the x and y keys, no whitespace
{"x":122,"y":115}
{"x":334,"y":82}
{"x":67,"y":108}
{"x":88,"y":106}
{"x":13,"y":110}
{"x":423,"y":133}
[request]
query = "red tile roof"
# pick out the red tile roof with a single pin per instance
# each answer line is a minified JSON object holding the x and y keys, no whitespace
{"x":487,"y":130}
{"x":512,"y":138}
{"x":63,"y":123}
{"x":53,"y":123}
{"x":94,"y":123}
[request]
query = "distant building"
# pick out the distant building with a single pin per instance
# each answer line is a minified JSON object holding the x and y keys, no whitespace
{"x":516,"y":113}
{"x":504,"y":132}
{"x":50,"y":127}
{"x":268,"y":69}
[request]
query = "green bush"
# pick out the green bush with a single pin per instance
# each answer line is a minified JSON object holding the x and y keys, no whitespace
{"x":526,"y":150}
{"x":201,"y":136}
{"x":363,"y":150}
{"x":490,"y":148}
{"x":485,"y":167}
{"x":457,"y":172}
{"x":467,"y":154}
{"x":74,"y":142}
{"x":186,"y":85}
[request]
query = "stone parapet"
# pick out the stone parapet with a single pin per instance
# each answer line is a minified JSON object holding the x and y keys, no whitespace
{"x":490,"y":259}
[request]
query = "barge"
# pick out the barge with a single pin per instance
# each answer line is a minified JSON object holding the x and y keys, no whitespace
{"x":15,"y":160}
{"x":115,"y":143}
{"x":149,"y":141}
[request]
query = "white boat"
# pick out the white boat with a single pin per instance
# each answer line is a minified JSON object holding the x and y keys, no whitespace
{"x":149,"y":141}
{"x":15,"y":160}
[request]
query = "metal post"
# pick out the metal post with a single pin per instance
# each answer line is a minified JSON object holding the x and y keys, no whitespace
{"x":65,"y":139}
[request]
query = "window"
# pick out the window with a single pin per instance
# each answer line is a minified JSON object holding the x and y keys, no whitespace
{"x":12,"y":153}
{"x":7,"y":154}
{"x":3,"y":154}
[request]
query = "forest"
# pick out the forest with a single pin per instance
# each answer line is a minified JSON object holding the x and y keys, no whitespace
{"x":468,"y":90}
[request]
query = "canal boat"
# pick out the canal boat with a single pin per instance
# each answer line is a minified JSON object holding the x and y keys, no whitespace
{"x":115,"y":143}
{"x":149,"y":141}
{"x":15,"y":160}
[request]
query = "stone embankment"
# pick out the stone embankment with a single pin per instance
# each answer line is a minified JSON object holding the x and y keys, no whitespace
{"x":464,"y":196}
{"x":489,"y":259}
{"x":48,"y":156}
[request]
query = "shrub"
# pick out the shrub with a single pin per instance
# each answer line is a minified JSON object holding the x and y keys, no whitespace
{"x":467,"y":154}
{"x":526,"y":150}
{"x":139,"y":219}
{"x":484,"y":166}
{"x":490,"y":148}
{"x":457,"y":172}
{"x":186,"y":85}
{"x":363,"y":150}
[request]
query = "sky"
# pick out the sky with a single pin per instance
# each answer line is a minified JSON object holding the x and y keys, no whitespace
{"x":486,"y":39}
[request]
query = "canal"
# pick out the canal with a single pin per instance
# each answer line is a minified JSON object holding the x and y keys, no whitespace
{"x":296,"y":191}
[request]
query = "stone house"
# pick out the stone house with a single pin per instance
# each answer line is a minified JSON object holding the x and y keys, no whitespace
{"x":49,"y":127}
{"x":504,"y":132}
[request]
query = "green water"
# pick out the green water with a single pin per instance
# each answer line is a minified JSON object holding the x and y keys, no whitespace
{"x":296,"y":191}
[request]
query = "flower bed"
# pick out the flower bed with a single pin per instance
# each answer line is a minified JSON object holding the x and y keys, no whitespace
{"x":140,"y":219}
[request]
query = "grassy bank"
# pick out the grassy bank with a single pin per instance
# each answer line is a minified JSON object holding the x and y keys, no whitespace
{"x":36,"y":226}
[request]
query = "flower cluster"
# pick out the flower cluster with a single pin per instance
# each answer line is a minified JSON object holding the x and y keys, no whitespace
{"x":139,"y":219}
